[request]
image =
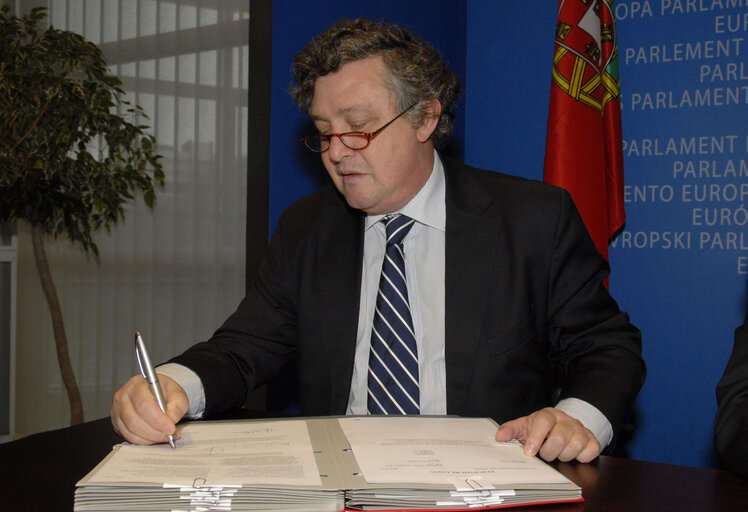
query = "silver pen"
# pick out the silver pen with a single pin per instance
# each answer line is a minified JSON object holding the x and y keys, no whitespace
{"x":149,"y":374}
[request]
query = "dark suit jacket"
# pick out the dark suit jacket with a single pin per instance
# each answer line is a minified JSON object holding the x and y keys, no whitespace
{"x":731,"y":422}
{"x":526,"y":309}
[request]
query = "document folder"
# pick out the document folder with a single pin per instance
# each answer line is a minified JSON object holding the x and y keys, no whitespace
{"x":325,"y":464}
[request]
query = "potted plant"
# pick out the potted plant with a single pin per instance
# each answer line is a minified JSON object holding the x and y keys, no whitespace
{"x":72,"y":151}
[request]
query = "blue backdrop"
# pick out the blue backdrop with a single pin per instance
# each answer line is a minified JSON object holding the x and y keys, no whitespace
{"x":680,"y":267}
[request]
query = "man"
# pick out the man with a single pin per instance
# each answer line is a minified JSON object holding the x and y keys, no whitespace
{"x":510,"y":317}
{"x":731,"y":422}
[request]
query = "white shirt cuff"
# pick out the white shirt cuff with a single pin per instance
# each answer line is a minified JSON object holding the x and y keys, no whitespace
{"x":191,"y":384}
{"x":591,"y":418}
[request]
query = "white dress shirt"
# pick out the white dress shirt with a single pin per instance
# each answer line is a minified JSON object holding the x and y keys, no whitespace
{"x":424,"y":251}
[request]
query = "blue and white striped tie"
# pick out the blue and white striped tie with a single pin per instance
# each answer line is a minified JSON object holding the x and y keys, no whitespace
{"x":393,"y":360}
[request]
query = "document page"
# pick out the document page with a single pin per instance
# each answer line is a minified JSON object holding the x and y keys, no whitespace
{"x":218,"y":454}
{"x":458,"y":451}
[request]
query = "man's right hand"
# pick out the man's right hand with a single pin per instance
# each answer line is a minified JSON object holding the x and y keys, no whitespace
{"x":136,"y":416}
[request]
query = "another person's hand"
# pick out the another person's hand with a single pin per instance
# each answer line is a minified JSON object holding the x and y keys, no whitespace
{"x":136,"y":416}
{"x":552,"y":434}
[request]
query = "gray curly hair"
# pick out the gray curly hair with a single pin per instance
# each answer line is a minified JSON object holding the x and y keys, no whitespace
{"x":416,"y":70}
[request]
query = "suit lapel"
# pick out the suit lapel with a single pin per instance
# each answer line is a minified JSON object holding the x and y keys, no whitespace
{"x":339,"y":260}
{"x":472,"y":247}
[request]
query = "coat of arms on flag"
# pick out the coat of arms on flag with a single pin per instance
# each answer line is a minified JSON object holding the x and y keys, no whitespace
{"x":586,"y":55}
{"x":583,"y":144}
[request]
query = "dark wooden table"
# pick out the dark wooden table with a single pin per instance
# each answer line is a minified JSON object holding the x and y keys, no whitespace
{"x":39,"y":473}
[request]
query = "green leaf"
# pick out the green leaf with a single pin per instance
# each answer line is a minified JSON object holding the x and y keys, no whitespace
{"x":68,"y":160}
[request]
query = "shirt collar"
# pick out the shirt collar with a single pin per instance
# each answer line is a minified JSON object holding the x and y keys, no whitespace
{"x":428,"y":206}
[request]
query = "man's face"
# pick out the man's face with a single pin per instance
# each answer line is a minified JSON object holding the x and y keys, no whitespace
{"x":388,"y":173}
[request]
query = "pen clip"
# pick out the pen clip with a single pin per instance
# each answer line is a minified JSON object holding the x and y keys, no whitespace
{"x":144,"y":361}
{"x":137,"y":356}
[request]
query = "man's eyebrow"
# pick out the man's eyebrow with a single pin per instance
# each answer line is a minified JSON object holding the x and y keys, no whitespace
{"x":347,"y":110}
{"x":343,"y":111}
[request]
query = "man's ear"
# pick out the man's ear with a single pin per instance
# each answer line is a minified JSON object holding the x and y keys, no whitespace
{"x":433,"y":111}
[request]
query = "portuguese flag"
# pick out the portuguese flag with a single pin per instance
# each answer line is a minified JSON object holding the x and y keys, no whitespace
{"x":583,"y":146}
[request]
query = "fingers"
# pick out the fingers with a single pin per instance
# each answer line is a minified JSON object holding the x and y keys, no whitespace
{"x":136,"y":416}
{"x":512,"y":430}
{"x":177,"y":402}
{"x":589,"y":453}
{"x":552,"y":434}
{"x":569,"y":441}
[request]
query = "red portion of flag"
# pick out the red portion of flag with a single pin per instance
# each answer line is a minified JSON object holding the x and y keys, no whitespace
{"x":583,"y":145}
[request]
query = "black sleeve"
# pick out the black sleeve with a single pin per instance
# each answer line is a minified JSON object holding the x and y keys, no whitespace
{"x":596,"y":349}
{"x":731,"y":422}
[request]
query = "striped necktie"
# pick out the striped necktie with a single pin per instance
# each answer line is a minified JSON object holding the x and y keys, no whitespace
{"x":393,"y":359}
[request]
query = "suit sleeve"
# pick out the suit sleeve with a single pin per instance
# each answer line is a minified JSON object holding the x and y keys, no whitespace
{"x":731,"y":422}
{"x":595,"y":349}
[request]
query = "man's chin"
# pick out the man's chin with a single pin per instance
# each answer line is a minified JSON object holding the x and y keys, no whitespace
{"x":367,"y":206}
{"x":355,"y":198}
{"x":358,"y":205}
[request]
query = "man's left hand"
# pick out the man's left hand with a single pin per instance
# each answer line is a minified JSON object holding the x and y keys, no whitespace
{"x":552,"y":434}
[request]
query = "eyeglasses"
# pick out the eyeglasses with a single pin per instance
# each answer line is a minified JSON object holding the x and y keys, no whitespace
{"x":351,"y":140}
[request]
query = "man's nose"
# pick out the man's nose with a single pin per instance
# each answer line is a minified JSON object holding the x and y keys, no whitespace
{"x":338,"y":150}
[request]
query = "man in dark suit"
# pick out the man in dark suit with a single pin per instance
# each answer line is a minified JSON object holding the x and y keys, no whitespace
{"x":731,"y":422}
{"x":510,"y":316}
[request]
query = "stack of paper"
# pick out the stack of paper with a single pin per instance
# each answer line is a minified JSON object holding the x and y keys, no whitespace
{"x":325,"y":464}
{"x":417,"y":462}
{"x":224,"y":465}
